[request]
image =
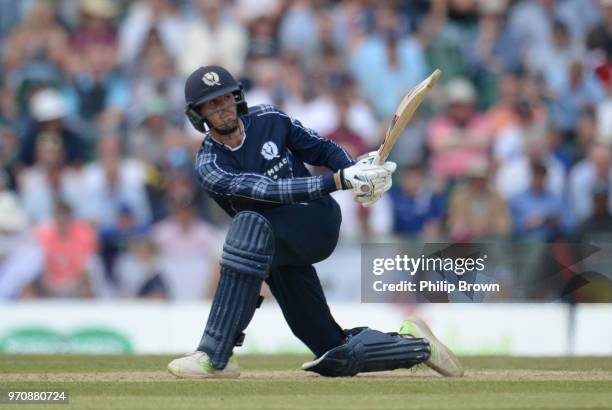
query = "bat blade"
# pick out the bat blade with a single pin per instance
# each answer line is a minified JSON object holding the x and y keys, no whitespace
{"x":404,"y":113}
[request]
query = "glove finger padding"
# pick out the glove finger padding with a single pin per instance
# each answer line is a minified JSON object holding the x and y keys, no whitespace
{"x":368,"y":180}
{"x":367,"y":159}
{"x":368,"y":202}
{"x":390,"y":166}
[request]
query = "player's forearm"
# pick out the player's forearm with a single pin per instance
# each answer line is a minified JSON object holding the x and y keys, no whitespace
{"x":258,"y":187}
{"x":293,"y":190}
{"x":282,"y":191}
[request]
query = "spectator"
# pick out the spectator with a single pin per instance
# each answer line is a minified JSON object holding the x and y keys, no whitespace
{"x":263,"y":40}
{"x":250,"y":10}
{"x":38,"y":37}
{"x":553,"y":61}
{"x":597,"y":227}
{"x":596,"y":231}
{"x":411,"y":146}
{"x":476,"y":210}
{"x":8,"y":155}
{"x":497,"y":49}
{"x":50,"y":180}
{"x":188,"y":249}
{"x":139,"y":271}
{"x":581,"y":90}
{"x":343,"y":134}
{"x":348,"y":22}
{"x":461,"y":135}
{"x":96,"y":85}
{"x":579,"y":16}
{"x":21,"y":259}
{"x":536,"y":212}
{"x":599,"y":37}
{"x":299,"y":31}
{"x":150,"y":23}
{"x":417,"y":209}
{"x":503,"y":112}
{"x":95,"y":25}
{"x":114,"y":183}
{"x":158,"y":82}
{"x":457,"y":32}
{"x":585,"y":176}
{"x":264,"y":72}
{"x":604,"y":109}
{"x":586,"y":134}
{"x":49,"y":110}
{"x":69,"y":246}
{"x":213,"y":26}
{"x":305,"y":98}
{"x":9,"y":108}
{"x":148,"y":142}
{"x":528,"y":126}
{"x":386,"y":64}
{"x":514,"y":176}
{"x":532,"y":22}
{"x":114,"y":241}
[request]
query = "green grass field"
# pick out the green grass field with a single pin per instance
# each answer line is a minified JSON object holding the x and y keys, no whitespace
{"x":274,"y":382}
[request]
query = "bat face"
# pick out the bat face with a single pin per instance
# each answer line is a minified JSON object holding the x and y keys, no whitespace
{"x":404,"y":113}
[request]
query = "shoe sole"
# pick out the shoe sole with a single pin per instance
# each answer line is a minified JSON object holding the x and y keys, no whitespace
{"x":442,"y":350}
{"x":220,"y":375}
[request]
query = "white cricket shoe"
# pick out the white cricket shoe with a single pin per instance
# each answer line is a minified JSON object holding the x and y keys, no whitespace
{"x":198,"y":366}
{"x":442,"y":360}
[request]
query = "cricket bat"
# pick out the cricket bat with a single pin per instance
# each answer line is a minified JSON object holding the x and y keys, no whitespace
{"x":404,"y":113}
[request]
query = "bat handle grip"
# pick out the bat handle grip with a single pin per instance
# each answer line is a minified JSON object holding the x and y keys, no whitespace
{"x":379,"y":160}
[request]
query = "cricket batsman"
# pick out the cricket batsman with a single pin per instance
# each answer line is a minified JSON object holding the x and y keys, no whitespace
{"x":252,"y":163}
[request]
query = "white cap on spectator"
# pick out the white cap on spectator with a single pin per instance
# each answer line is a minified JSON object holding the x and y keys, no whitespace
{"x":47,"y":105}
{"x":12,"y":216}
{"x":106,"y":9}
{"x":493,"y":6}
{"x":253,"y":9}
{"x":459,"y":90}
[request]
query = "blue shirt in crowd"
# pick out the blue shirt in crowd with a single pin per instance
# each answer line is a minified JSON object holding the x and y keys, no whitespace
{"x":529,"y":204}
{"x":411,"y":213}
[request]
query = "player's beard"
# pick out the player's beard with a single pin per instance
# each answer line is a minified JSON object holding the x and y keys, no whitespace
{"x":228,"y":127}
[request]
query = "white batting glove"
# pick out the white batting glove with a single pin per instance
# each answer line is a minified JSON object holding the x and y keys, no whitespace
{"x":367,"y":158}
{"x":369,"y":201}
{"x":368,"y":182}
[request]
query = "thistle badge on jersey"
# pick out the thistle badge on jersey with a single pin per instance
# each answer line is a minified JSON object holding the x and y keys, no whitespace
{"x":211,"y":78}
{"x":269,"y":150}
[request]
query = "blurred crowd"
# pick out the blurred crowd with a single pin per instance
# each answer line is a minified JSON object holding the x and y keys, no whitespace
{"x":97,"y":190}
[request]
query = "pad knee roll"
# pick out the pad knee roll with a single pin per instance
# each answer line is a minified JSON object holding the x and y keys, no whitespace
{"x":249,"y":245}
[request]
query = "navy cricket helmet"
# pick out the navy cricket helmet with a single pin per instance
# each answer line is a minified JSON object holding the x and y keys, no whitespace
{"x":207,"y":83}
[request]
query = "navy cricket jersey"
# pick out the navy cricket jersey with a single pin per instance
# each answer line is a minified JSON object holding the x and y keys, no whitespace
{"x":268,"y":169}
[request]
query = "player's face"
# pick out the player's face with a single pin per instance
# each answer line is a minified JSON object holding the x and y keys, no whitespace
{"x":221,"y":113}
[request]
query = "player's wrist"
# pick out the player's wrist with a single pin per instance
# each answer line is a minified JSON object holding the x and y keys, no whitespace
{"x":339,"y":179}
{"x":329,"y":183}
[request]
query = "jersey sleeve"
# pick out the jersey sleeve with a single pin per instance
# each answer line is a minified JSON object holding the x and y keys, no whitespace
{"x":223,"y":181}
{"x":314,"y":149}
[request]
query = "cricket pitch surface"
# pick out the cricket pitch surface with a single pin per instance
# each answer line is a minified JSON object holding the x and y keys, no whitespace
{"x":275,"y":382}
